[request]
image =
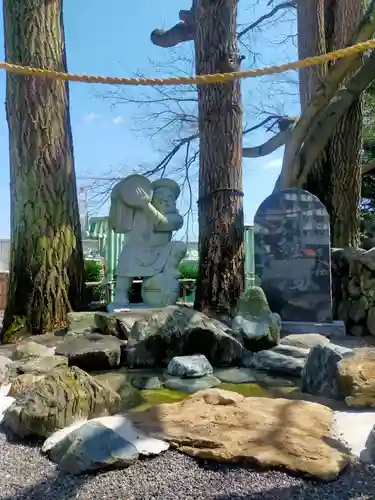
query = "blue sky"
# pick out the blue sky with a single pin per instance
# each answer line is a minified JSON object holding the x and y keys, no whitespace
{"x":112,"y":38}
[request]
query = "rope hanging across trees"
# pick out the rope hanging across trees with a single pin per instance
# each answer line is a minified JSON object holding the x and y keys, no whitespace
{"x":191,"y":80}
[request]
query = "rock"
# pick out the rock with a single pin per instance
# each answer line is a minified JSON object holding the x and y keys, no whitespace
{"x":178,"y":331}
{"x":59,"y":399}
{"x":250,"y":375}
{"x":291,"y":350}
{"x":371,"y":320}
{"x":227,"y":427}
{"x":191,"y":385}
{"x":40,"y":365}
{"x":92,"y":447}
{"x":357,"y":331}
{"x":5,"y":364}
{"x":103,"y":443}
{"x":92,"y":351}
{"x":305,"y":340}
{"x":121,"y":382}
{"x":320,"y":374}
{"x":81,"y":322}
{"x":276,"y":363}
{"x":343,"y":310}
{"x":259,"y":327}
{"x":31,"y":350}
{"x":236,"y":375}
{"x":358,"y":309}
{"x":196,"y":365}
{"x":116,"y":324}
{"x":370,"y":446}
{"x":257,"y":334}
{"x":147,"y":383}
{"x":23,"y":383}
{"x":357,"y":378}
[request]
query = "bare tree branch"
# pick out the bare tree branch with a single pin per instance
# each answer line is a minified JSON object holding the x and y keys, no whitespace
{"x":269,"y":15}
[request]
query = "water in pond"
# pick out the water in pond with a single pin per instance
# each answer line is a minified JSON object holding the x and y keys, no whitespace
{"x":135,"y":399}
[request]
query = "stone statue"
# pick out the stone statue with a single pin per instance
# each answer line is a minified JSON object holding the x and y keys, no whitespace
{"x":146,"y":211}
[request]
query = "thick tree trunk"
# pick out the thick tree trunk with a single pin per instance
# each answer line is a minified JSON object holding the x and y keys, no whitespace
{"x":220,"y":205}
{"x":346,"y":144}
{"x":46,"y":263}
{"x":336,"y":176}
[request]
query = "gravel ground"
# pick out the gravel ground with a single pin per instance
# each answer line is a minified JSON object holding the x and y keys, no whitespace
{"x":25,"y":474}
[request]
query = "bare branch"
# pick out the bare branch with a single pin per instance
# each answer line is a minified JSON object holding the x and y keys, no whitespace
{"x":271,"y":13}
{"x":268,"y":147}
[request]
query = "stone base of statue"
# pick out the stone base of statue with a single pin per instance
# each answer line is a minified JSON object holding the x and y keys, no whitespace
{"x":161,"y":290}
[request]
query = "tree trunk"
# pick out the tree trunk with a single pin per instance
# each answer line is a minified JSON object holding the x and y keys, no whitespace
{"x":220,"y":205}
{"x":346,"y":144}
{"x":46,"y":263}
{"x":336,"y":177}
{"x":312,"y":41}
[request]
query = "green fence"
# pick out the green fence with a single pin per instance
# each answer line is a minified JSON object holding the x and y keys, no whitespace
{"x":109,"y":245}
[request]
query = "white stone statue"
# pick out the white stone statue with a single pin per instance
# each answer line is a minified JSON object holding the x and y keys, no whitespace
{"x":146,"y":212}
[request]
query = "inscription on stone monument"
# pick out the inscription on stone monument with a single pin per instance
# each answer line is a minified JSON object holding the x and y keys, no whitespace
{"x":293,"y":255}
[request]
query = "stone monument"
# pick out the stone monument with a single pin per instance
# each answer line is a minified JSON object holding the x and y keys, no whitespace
{"x":293,"y":259}
{"x":146,"y":212}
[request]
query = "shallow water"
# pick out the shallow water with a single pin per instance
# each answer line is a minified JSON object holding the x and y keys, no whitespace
{"x":135,"y":399}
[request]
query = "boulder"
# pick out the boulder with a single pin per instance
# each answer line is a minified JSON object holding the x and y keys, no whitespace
{"x":146,"y":382}
{"x":118,"y":325}
{"x":31,"y":349}
{"x":320,"y":374}
{"x":250,"y":375}
{"x":59,"y":399}
{"x":189,"y":366}
{"x":23,"y":383}
{"x":291,"y":350}
{"x":227,"y":427}
{"x":103,"y":443}
{"x":254,"y":321}
{"x":178,"y":331}
{"x":120,"y":381}
{"x":276,"y":363}
{"x":304,"y":340}
{"x":191,"y":385}
{"x":5,"y":364}
{"x":371,"y":320}
{"x":43,"y":364}
{"x":92,"y":351}
{"x":81,"y":322}
{"x":370,"y":446}
{"x":357,"y":378}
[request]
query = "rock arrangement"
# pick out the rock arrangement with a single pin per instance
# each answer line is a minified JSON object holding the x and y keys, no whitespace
{"x":353,"y":289}
{"x":78,"y":390}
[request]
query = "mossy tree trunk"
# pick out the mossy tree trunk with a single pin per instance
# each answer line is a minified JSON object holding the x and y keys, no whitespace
{"x":46,"y":262}
{"x":220,"y":205}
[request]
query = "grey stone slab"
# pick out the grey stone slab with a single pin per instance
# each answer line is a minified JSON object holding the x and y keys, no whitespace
{"x":293,"y":255}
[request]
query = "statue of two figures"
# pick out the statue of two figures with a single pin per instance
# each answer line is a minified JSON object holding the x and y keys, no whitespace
{"x":146,"y":212}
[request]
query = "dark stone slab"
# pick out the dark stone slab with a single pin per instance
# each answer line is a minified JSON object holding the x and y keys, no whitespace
{"x":292,"y":255}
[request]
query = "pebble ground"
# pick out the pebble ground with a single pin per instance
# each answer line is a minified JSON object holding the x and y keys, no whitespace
{"x":25,"y":474}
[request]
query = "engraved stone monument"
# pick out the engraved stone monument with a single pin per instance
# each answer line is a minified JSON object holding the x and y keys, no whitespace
{"x":146,"y":212}
{"x":293,"y":259}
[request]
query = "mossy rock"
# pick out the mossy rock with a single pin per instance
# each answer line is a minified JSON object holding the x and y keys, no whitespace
{"x":59,"y":399}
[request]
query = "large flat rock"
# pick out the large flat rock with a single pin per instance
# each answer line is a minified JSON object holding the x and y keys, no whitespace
{"x":227,"y":427}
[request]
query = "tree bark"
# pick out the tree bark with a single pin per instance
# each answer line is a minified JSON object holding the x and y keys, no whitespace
{"x":346,"y":145}
{"x":46,"y":263}
{"x":336,"y":176}
{"x":220,"y":205}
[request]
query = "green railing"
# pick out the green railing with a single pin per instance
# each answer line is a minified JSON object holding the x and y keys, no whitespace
{"x":109,"y":245}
